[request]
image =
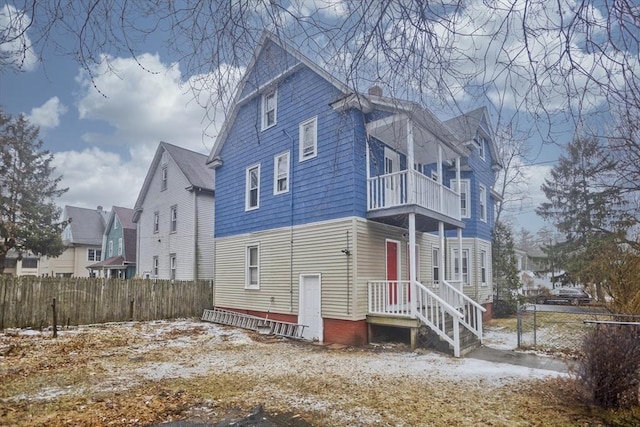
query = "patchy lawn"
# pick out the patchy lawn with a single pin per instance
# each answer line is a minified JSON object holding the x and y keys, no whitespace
{"x":142,"y":373}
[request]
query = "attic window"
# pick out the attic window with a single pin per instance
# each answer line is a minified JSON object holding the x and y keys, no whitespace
{"x":165,"y":158}
{"x":269,"y":109}
{"x":163,"y":182}
{"x":482,"y":143}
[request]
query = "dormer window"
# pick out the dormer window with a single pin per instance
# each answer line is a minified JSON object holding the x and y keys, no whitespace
{"x":482,"y":144}
{"x":269,"y":109}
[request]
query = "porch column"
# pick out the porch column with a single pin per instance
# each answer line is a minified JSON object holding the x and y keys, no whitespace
{"x":368,"y":167}
{"x":442,"y":250}
{"x":412,"y":263}
{"x":440,"y":181}
{"x":410,"y":161}
{"x":458,"y":178}
{"x":460,"y":257}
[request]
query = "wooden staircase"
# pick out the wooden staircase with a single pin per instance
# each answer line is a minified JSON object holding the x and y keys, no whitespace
{"x":254,"y":323}
{"x":429,"y":338}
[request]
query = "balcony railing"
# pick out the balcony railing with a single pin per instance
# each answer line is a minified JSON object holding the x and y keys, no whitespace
{"x":409,"y":187}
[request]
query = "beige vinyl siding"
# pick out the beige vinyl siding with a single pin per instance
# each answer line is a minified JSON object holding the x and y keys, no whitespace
{"x":316,"y":248}
{"x":485,"y":293}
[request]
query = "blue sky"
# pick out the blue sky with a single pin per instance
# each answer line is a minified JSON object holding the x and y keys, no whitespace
{"x":103,"y":141}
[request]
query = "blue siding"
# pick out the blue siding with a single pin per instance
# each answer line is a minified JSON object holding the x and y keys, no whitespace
{"x":329,"y":186}
{"x":272,"y":60}
{"x":112,"y":236}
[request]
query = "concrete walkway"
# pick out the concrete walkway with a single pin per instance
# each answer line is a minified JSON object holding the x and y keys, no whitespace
{"x":522,"y":359}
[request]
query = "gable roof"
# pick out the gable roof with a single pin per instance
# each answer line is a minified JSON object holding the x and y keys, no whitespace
{"x":87,"y":225}
{"x":192,"y":165}
{"x":125,"y":216}
{"x":240,"y":96}
{"x":466,"y":126}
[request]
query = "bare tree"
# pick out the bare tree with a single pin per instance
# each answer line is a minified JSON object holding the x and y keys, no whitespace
{"x":559,"y":60}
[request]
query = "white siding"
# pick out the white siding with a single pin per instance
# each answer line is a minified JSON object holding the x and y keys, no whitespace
{"x":204,"y":233}
{"x":164,"y":243}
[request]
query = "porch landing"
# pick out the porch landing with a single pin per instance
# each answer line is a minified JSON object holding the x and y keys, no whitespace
{"x":395,"y":322}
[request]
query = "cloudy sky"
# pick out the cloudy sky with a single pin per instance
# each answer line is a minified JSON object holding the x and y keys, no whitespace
{"x":104,"y":132}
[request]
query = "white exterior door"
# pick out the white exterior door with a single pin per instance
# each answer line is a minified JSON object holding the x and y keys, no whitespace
{"x":310,"y":306}
{"x":392,"y":182}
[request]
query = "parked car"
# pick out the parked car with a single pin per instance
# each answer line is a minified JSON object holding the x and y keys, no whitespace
{"x":573,"y":296}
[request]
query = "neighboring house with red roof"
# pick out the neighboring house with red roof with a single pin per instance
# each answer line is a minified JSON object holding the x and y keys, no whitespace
{"x":118,"y":246}
{"x":82,"y":238}
{"x":174,"y":216}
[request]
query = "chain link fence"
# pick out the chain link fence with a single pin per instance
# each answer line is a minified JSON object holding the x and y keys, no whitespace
{"x":560,"y":329}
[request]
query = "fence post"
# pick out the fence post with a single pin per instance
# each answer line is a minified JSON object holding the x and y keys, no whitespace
{"x":55,"y":319}
{"x":131,"y":309}
{"x":518,"y":323}
{"x":535,"y":328}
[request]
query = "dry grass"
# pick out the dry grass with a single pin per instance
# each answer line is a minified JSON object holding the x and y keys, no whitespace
{"x":145,"y":373}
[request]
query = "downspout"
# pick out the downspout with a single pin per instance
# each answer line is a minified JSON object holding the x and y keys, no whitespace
{"x":291,"y":163}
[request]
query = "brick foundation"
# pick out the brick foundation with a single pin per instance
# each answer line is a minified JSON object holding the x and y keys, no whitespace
{"x":347,"y":332}
{"x":487,"y":315}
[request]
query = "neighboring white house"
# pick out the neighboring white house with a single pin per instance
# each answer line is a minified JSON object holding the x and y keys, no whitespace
{"x":25,"y":264}
{"x":82,"y":238}
{"x":174,"y":217}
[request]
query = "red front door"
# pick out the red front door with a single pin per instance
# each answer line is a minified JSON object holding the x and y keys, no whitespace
{"x":392,"y":270}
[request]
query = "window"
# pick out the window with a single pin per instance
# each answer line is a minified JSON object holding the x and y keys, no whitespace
{"x":281,"y":173}
{"x":483,"y":203}
{"x":120,"y":246}
{"x":436,"y":265}
{"x":252,"y":267}
{"x":434,"y":175}
{"x":174,"y":219}
{"x":156,"y":222}
{"x":163,"y":184}
{"x":173,"y":265}
{"x":483,"y":267}
{"x":110,"y":247}
{"x":29,"y":262}
{"x":269,"y":109}
{"x":115,"y":224}
{"x":252,"y":185}
{"x":155,"y":266}
{"x":308,"y":139}
{"x":94,"y":254}
{"x":464,"y":196}
{"x":482,"y":144}
{"x":465,"y":266}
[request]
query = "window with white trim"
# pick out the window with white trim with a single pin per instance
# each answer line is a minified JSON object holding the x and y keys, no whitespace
{"x":156,"y":222}
{"x":110,"y":248}
{"x":94,"y":254}
{"x":457,"y":276}
{"x":155,"y":264}
{"x":163,"y":182}
{"x":173,"y":266}
{"x":115,"y":224}
{"x":483,"y":203}
{"x":464,"y":196}
{"x":436,"y":264}
{"x":483,"y":267}
{"x":252,"y":267}
{"x":281,"y":173}
{"x":434,"y":175}
{"x":174,"y":219}
{"x":308,"y":139}
{"x":120,"y":246}
{"x":269,"y":109}
{"x":252,"y":188}
{"x":481,"y":150}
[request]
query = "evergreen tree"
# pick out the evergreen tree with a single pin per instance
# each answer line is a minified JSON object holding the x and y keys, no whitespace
{"x":505,"y":271}
{"x":583,"y":207}
{"x":28,"y":215}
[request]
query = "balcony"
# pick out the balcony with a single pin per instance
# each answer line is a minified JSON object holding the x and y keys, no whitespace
{"x":409,"y":191}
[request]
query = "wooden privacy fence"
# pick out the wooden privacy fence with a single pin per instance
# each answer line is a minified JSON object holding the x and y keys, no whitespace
{"x":26,"y":301}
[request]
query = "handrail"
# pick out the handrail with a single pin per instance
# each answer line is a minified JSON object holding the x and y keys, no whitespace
{"x":432,"y":311}
{"x":436,"y":297}
{"x":464,"y":297}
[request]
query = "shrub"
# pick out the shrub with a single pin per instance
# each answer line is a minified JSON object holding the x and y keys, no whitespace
{"x":609,"y":367}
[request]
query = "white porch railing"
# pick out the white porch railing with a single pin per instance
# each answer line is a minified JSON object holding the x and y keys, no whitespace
{"x":409,"y":187}
{"x":394,"y":298}
{"x":471,"y":311}
{"x":389,"y":298}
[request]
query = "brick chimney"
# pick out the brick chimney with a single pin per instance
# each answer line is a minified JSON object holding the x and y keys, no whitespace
{"x":375,"y":90}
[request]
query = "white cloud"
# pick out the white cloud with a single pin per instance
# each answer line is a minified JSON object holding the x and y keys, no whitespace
{"x":17,"y":52}
{"x":48,"y":114}
{"x":98,"y":178}
{"x":146,"y":101}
